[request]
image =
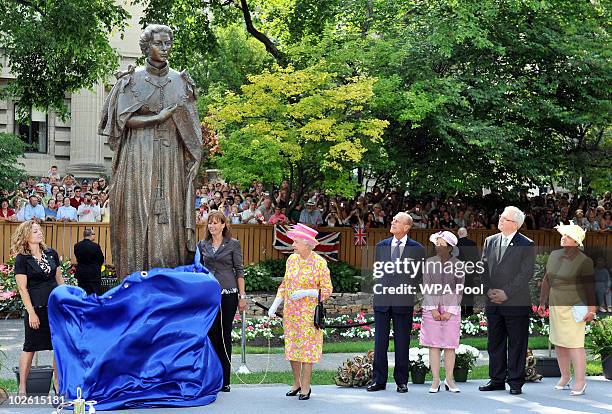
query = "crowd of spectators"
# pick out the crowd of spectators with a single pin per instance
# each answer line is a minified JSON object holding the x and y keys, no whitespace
{"x":53,"y":198}
{"x":376,"y":208}
{"x":66,"y":199}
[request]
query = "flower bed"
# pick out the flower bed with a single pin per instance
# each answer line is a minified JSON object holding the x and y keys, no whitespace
{"x":472,"y":326}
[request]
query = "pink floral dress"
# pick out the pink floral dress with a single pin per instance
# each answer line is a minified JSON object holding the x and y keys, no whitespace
{"x":303,"y":342}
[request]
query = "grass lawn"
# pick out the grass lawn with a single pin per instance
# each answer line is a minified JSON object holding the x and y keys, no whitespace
{"x":535,"y":342}
{"x":327,"y":377}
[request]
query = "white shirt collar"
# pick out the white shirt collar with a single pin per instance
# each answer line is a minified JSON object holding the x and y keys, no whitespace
{"x":510,"y":237}
{"x":403,"y":241}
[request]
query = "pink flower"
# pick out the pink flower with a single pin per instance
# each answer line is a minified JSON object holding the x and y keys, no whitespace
{"x":483,"y":323}
{"x":534,"y":308}
{"x":250,"y":328}
{"x":367,"y":328}
{"x":416,"y":326}
{"x":350,"y":321}
{"x":7,"y":295}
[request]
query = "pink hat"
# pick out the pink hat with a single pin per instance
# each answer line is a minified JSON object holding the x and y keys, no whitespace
{"x":448,"y":237}
{"x":303,"y":232}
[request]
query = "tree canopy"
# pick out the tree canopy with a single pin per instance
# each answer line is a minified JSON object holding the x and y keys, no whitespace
{"x":496,"y":94}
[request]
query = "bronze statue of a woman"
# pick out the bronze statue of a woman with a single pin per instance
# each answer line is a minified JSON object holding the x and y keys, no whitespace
{"x":152,"y":124}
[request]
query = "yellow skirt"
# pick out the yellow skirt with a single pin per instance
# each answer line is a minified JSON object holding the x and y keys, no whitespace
{"x":564,"y":330}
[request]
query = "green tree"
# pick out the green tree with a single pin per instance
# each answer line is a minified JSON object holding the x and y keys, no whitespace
{"x":11,"y":171}
{"x":56,"y":47}
{"x":304,"y":123}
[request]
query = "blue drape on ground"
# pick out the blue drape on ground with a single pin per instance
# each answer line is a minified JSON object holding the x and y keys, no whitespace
{"x":142,"y":344}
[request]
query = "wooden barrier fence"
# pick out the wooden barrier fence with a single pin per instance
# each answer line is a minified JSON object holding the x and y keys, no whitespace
{"x":257,"y":240}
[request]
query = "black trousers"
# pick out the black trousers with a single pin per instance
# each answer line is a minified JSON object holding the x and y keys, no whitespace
{"x":91,"y":286}
{"x":508,"y":338}
{"x":220,"y":333}
{"x":402,"y":326}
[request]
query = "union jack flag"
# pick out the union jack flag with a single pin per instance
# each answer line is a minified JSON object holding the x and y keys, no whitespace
{"x":328,"y":247}
{"x":360,"y":236}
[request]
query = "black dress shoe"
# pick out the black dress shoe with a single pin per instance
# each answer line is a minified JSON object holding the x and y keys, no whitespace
{"x":402,"y":388}
{"x":376,"y":387}
{"x":305,"y":396}
{"x":490,"y":386}
{"x":225,"y":388}
{"x":515,"y":391}
{"x":293,"y":393}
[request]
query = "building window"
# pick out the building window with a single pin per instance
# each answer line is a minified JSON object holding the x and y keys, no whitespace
{"x":34,"y":133}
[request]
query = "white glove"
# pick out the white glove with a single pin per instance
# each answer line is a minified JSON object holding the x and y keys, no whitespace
{"x":277,"y":302}
{"x":302,"y":293}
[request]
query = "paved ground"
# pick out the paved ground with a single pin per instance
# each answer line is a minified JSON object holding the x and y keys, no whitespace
{"x":537,"y":398}
{"x":11,"y":341}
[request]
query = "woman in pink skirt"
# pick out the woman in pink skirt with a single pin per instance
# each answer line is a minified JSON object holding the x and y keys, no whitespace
{"x":441,"y":324}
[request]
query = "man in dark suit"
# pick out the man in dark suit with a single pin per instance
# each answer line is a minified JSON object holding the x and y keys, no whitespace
{"x":89,"y":263}
{"x":389,"y":305}
{"x":468,"y":253}
{"x":509,"y":260}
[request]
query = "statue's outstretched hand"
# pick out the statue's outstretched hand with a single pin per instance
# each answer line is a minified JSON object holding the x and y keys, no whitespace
{"x":167,"y":112}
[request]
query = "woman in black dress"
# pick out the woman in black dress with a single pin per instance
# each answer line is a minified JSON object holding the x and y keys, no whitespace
{"x":38,"y":272}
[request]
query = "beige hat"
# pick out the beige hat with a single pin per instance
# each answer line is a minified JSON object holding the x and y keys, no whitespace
{"x":572,"y":230}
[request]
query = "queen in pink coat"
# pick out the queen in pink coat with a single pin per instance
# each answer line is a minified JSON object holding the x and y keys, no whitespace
{"x":441,"y":321}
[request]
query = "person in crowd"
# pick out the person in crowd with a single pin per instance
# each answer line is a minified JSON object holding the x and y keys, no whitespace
{"x":567,"y":287}
{"x":606,"y":222}
{"x":593,"y":224}
{"x":419,"y":218}
{"x":6,"y":213}
{"x":479,"y":222}
{"x":607,"y":198}
{"x":394,"y":307}
{"x":530,"y":221}
{"x":306,"y":281}
{"x":563,"y":216}
{"x":370,"y":221}
{"x":202,"y":214}
{"x":547,"y":220}
{"x":104,"y":207}
{"x":278,"y":217}
{"x":251,"y":215}
{"x":90,"y":259}
{"x":447,"y":222}
{"x":87,"y":212}
{"x":266,"y":209}
{"x":18,"y":203}
{"x":37,"y":272}
{"x":468,"y":253}
{"x":77,"y":200}
{"x":222,"y":255}
{"x":67,"y":213}
{"x":68,"y":183}
{"x":603,"y":285}
{"x":379,"y":215}
{"x":311,"y":215}
{"x":235,"y":217}
{"x":509,"y":259}
{"x":52,"y":173}
{"x":441,"y":323}
{"x":580,"y":220}
{"x":95,"y":187}
{"x":41,"y":193}
{"x":103,"y":184}
{"x":332,"y":219}
{"x":55,"y":190}
{"x":460,"y":220}
{"x":32,"y":210}
{"x":51,"y":210}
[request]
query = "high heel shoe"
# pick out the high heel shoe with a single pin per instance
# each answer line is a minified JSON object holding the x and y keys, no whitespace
{"x":293,"y":393}
{"x":305,"y":396}
{"x":575,"y":393}
{"x":434,"y":390}
{"x":448,"y":387}
{"x":563,"y":387}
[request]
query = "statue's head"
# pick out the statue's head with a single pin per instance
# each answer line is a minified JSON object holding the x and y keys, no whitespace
{"x":156,"y":42}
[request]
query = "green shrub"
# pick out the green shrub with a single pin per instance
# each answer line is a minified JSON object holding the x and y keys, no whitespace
{"x":258,"y":278}
{"x":344,"y":277}
{"x":599,"y":339}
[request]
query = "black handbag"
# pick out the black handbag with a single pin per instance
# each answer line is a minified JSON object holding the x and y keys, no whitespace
{"x":319,"y":314}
